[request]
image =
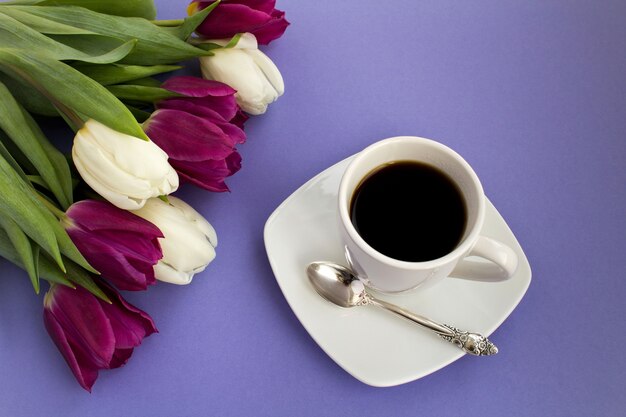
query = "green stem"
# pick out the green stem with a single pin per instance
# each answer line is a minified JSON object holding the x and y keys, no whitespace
{"x":168,"y":23}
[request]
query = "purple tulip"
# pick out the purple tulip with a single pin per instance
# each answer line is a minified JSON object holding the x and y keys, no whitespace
{"x":92,"y":334}
{"x":199,"y":131}
{"x":230,"y":17}
{"x":209,"y":99}
{"x":123,"y":247}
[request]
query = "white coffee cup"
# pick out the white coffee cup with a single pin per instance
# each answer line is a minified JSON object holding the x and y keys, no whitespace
{"x":386,"y":274}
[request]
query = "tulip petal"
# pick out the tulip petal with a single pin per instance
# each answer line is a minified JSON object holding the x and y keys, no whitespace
{"x":85,"y":375}
{"x":236,"y":68}
{"x":91,"y":334}
{"x":104,"y":174}
{"x":186,"y":105}
{"x":186,"y":246}
{"x":225,"y":106}
{"x":141,"y":248}
{"x":215,"y":185}
{"x":258,"y":17}
{"x":239,"y":119}
{"x":115,"y":198}
{"x":130,"y":324}
{"x":228,"y":19}
{"x":112,"y":263}
{"x":187,"y":249}
{"x":123,"y":150}
{"x":195,"y":130}
{"x":116,"y":177}
{"x":273,"y":29}
{"x":108,"y":161}
{"x":148,"y":271}
{"x":169,"y":183}
{"x":232,"y":130}
{"x":200,"y":222}
{"x":269,"y":69}
{"x":101,"y":215}
{"x":187,"y":137}
{"x":207,"y":93}
{"x":261,"y":5}
{"x":209,"y":175}
{"x":197,"y":87}
{"x":265,"y":6}
{"x":119,"y":200}
{"x":120,"y":357}
{"x":166,"y":273}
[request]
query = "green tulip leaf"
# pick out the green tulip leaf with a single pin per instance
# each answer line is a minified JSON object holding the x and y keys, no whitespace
{"x":79,"y":276}
{"x":46,"y":269}
{"x":25,"y":133}
{"x":29,"y":97}
{"x":146,"y":82}
{"x":23,"y":248}
{"x":19,"y":203}
{"x":35,"y":255}
{"x":140,"y":115}
{"x":98,"y":49}
{"x":86,"y":96}
{"x":69,"y":249}
{"x":140,"y":93}
{"x":6,"y":154}
{"x":191,"y":23}
{"x":233,"y":41}
{"x":128,"y":8}
{"x":154,"y":45}
{"x":36,"y":179}
{"x":57,"y":158}
{"x":41,"y":24}
{"x":115,"y":73}
{"x":25,"y":166}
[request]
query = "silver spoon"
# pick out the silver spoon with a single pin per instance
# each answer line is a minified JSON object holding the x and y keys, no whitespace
{"x":340,"y":286}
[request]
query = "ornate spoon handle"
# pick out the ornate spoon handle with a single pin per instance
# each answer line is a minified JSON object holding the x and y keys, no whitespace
{"x":472,"y":343}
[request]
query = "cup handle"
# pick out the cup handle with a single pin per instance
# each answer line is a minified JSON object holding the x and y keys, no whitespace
{"x":501,"y":266}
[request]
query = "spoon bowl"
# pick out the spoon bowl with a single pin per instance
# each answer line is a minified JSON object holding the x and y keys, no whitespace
{"x":335,"y":283}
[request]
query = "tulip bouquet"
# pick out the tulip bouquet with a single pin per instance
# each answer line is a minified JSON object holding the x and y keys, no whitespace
{"x":103,"y":220}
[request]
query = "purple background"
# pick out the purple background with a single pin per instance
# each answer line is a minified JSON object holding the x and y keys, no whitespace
{"x":531,"y":93}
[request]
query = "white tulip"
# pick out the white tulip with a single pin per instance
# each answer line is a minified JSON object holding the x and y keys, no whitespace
{"x":125,"y":170}
{"x":188,"y":241}
{"x":246,"y":69}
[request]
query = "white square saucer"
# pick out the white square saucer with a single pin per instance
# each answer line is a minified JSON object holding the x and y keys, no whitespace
{"x":372,"y":345}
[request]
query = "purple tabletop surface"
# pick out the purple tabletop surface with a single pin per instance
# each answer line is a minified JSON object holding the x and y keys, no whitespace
{"x":531,"y":93}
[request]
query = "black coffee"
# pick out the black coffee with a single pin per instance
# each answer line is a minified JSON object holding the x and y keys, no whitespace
{"x":409,"y":211}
